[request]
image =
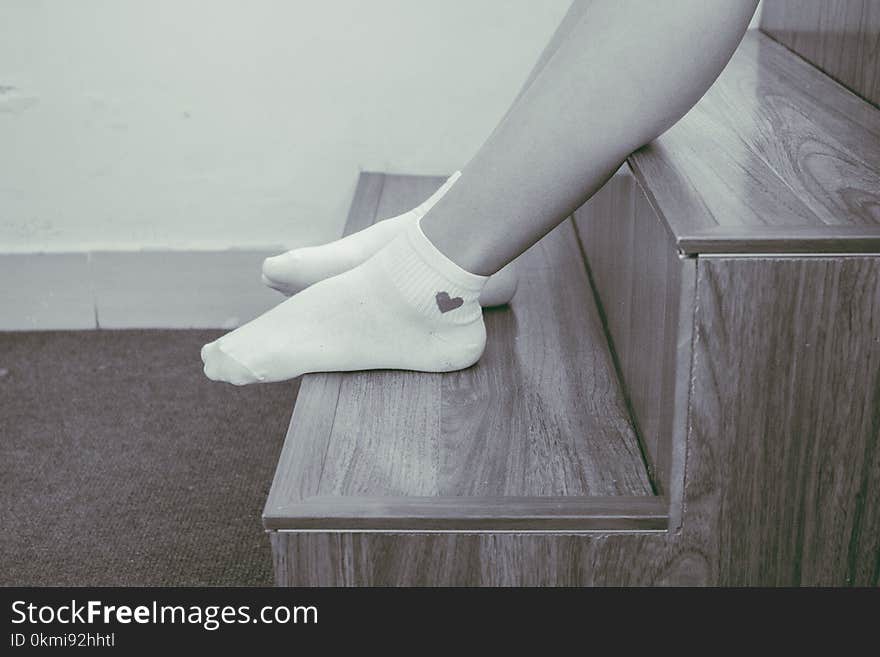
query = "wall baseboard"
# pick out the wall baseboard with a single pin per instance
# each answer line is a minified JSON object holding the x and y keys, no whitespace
{"x":137,"y":289}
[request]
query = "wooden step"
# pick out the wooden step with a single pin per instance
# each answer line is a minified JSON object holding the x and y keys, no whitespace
{"x":535,"y":436}
{"x":776,"y":158}
{"x":707,"y":416}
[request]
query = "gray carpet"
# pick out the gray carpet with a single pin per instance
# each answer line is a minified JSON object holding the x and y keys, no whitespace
{"x":120,"y":464}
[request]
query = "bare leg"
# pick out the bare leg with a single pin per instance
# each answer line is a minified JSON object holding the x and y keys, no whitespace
{"x":295,"y":270}
{"x":626,"y":72}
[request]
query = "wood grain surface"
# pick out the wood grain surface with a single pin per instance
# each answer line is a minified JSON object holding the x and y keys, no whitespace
{"x":523,"y":422}
{"x":544,"y":514}
{"x":646,"y":296}
{"x":499,"y":559}
{"x":779,"y":483}
{"x":783,"y":456}
{"x":384,"y":438}
{"x":782,"y":484}
{"x":541,"y":414}
{"x":774,"y":143}
{"x":302,"y":455}
{"x":775,"y":466}
{"x":841,"y":37}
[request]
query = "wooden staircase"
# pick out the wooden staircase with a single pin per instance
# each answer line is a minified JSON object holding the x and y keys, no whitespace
{"x":685,"y":389}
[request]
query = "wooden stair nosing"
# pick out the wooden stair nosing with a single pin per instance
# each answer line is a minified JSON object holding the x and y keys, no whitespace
{"x":607,"y":513}
{"x":800,"y":240}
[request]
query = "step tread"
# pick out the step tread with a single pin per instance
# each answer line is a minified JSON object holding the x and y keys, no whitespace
{"x":541,"y":414}
{"x":776,"y":157}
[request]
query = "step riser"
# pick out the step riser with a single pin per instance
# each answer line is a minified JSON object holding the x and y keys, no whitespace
{"x":646,"y":293}
{"x":839,"y":38}
{"x":778,"y":359}
{"x":361,"y":559}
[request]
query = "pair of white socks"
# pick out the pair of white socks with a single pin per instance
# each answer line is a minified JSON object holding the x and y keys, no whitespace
{"x":382,"y":298}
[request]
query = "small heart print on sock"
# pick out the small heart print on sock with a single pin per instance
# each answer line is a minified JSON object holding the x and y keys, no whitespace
{"x":445,"y":304}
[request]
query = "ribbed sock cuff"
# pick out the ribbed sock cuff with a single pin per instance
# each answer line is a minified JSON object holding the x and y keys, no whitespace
{"x":430,"y":281}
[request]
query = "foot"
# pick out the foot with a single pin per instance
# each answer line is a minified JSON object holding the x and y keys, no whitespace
{"x":294,"y":271}
{"x":408,"y":307}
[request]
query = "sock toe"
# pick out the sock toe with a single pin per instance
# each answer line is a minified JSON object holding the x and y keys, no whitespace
{"x":280,"y":272}
{"x":233,"y":371}
{"x":278,"y":286}
{"x":276,"y":267}
{"x":211,"y":368}
{"x":220,"y":366}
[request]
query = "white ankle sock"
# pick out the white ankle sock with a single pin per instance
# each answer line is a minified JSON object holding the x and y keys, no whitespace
{"x":408,"y":307}
{"x":292,"y":272}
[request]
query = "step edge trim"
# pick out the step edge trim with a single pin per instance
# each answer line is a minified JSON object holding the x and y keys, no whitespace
{"x":613,"y":513}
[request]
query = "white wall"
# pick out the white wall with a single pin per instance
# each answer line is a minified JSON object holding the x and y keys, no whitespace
{"x":204,"y":124}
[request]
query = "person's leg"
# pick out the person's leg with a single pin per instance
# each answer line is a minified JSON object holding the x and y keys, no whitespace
{"x":295,"y":270}
{"x":626,"y":72}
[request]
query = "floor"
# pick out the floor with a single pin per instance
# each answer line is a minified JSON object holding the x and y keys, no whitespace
{"x":120,"y":464}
